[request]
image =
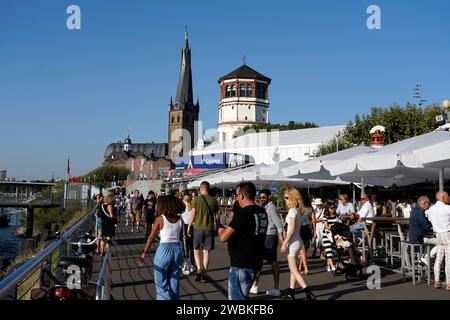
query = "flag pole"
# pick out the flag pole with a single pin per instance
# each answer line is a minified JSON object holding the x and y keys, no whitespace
{"x":67,"y":183}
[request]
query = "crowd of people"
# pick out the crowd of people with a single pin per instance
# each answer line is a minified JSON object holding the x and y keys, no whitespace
{"x":258,"y":230}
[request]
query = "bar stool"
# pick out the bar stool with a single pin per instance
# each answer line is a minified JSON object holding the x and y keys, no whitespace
{"x":410,"y":255}
{"x":392,"y":250}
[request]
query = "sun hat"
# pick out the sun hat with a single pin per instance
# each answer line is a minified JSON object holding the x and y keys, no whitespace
{"x":317,"y":201}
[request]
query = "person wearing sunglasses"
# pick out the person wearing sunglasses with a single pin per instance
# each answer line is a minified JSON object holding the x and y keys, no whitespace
{"x":329,"y":220}
{"x":293,"y":243}
{"x":366,"y":211}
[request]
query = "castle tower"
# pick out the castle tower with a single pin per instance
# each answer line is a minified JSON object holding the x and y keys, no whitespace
{"x":244,"y":101}
{"x":183,"y":114}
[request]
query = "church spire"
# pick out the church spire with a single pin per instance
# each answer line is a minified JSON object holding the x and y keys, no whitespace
{"x":184,"y":97}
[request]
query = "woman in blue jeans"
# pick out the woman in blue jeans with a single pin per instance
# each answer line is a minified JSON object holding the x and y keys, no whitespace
{"x":169,"y":255}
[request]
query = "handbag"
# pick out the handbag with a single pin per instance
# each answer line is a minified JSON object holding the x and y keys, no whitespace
{"x":306,"y":232}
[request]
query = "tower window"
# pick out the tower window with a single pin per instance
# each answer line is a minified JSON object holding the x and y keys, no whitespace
{"x":227,"y":91}
{"x":245,"y":118}
{"x":260,"y":91}
{"x":249,"y":107}
{"x":232,"y":107}
{"x":242,"y":90}
{"x":264,"y":111}
{"x":233,"y":90}
{"x":173,"y":119}
{"x":264,"y":120}
{"x":249,"y":90}
{"x":178,"y":118}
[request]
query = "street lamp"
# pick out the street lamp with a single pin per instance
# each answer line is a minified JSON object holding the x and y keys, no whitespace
{"x":337,"y":135}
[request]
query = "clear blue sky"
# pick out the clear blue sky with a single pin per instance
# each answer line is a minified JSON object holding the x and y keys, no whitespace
{"x":71,"y":93}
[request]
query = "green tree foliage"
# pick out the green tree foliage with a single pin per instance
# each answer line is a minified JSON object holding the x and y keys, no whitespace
{"x":292,"y":125}
{"x":104,"y":175}
{"x":400,"y":123}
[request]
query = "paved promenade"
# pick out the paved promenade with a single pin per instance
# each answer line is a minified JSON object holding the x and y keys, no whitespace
{"x":131,"y":282}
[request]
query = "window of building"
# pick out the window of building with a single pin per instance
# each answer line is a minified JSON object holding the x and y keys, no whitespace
{"x":249,"y":90}
{"x":264,"y":119}
{"x":249,"y":107}
{"x":264,"y":111}
{"x":242,"y":90}
{"x":232,"y":107}
{"x":227,"y":91}
{"x":245,"y":118}
{"x":173,"y":119}
{"x":178,"y":118}
{"x":233,"y":90}
{"x":259,"y":91}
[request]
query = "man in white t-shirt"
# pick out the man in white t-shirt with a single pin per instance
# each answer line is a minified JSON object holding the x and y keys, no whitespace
{"x":345,"y":208}
{"x":366,"y":211}
{"x":439,"y":216}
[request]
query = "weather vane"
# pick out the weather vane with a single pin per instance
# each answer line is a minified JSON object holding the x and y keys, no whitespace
{"x":244,"y":59}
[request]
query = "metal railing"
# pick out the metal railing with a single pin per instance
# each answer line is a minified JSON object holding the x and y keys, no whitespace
{"x":9,"y":285}
{"x":104,"y":282}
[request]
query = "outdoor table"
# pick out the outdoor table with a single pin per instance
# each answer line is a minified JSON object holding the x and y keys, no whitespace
{"x":399,"y":221}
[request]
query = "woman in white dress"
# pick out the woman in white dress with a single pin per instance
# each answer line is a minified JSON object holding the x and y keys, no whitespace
{"x":293,"y":242}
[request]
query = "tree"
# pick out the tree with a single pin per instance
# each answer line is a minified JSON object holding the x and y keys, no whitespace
{"x":104,"y":175}
{"x":292,"y":125}
{"x":400,"y":123}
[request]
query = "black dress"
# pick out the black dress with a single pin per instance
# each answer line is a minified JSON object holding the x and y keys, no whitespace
{"x":108,"y":228}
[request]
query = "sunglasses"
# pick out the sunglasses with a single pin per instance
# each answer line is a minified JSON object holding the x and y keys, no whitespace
{"x":286,"y":198}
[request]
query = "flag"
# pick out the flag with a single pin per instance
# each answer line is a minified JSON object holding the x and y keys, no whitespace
{"x":74,"y":180}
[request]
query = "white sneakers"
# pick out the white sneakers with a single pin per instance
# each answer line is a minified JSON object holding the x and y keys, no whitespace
{"x":254,"y":290}
{"x":424,"y":260}
{"x":328,"y":269}
{"x":274,"y":292}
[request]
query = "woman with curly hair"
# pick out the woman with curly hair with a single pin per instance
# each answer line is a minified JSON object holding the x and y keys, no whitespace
{"x":293,"y":241}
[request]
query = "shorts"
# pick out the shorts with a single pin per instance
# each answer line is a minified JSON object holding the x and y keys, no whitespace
{"x":98,"y":224}
{"x":136,"y":213}
{"x":294,"y":248}
{"x":270,"y":248}
{"x":203,"y":239}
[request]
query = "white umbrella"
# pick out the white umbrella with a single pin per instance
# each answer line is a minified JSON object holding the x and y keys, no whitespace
{"x":410,"y":158}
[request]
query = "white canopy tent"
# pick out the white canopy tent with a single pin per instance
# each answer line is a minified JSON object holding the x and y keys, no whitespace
{"x":417,"y":159}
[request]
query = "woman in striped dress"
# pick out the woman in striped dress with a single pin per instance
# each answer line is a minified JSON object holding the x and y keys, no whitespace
{"x":329,"y":220}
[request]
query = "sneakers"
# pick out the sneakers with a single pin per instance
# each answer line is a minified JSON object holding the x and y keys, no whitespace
{"x":424,"y":261}
{"x":274,"y":292}
{"x":328,"y":269}
{"x":254,"y":290}
{"x":192,"y":269}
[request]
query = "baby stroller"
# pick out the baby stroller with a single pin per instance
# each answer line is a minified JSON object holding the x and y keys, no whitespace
{"x":343,"y":241}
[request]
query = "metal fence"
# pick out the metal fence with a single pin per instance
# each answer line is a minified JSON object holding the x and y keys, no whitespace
{"x":104,"y":282}
{"x":18,"y":284}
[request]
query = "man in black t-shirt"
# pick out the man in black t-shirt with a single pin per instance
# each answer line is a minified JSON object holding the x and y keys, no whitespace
{"x":246,"y":235}
{"x":149,"y":211}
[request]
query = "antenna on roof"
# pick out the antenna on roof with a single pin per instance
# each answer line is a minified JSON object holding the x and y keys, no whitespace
{"x":418,"y":94}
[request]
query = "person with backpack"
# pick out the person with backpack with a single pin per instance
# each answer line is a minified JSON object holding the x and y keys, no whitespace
{"x":204,"y":217}
{"x":246,"y":236}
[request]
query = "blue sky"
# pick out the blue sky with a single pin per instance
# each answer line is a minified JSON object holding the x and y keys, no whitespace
{"x":71,"y":92}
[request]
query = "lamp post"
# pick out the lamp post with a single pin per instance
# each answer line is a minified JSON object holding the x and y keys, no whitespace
{"x":337,"y":135}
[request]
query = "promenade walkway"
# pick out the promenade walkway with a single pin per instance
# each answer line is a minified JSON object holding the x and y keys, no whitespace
{"x":131,"y":282}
